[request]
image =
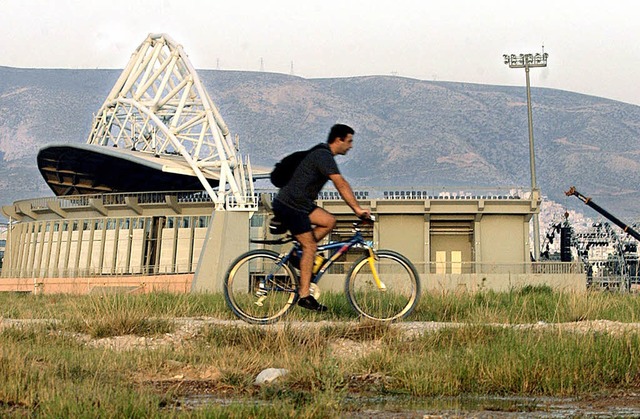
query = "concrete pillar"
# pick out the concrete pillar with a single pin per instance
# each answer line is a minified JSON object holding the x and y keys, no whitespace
{"x":227,"y":238}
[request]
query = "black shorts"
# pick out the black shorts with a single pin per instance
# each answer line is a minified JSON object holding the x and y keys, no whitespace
{"x":296,"y":221}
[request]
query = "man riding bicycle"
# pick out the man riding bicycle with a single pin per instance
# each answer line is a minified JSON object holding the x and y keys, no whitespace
{"x":294,"y":205}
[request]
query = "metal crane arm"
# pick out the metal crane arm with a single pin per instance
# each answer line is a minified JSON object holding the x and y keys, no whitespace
{"x":625,"y":227}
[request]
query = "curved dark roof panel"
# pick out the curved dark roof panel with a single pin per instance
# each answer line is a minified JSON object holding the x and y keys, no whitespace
{"x":90,"y":169}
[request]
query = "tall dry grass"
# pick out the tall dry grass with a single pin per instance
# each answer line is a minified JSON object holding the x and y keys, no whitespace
{"x":51,"y":369}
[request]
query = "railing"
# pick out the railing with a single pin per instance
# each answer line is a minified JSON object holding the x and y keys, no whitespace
{"x":441,"y":192}
{"x":170,"y":269}
{"x":457,"y":193}
{"x":424,"y":269}
{"x":199,"y":196}
{"x":156,"y":197}
{"x":614,"y":282}
{"x":545,"y":268}
{"x":250,"y":203}
{"x":614,"y":274}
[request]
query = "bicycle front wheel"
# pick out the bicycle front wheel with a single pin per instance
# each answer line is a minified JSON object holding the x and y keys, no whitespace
{"x":258,"y":288}
{"x":401,"y":290}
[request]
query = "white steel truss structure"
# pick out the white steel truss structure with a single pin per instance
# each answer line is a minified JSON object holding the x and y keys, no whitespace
{"x":159,"y":106}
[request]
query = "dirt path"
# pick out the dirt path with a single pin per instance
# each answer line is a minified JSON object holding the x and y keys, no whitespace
{"x":188,"y":327}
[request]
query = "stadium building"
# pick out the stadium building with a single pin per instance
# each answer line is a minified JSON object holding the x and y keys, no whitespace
{"x":159,"y":198}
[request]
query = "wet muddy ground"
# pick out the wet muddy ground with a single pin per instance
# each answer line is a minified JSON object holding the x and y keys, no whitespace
{"x":194,"y":394}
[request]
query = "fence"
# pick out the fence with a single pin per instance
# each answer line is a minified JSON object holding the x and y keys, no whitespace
{"x":423,"y":268}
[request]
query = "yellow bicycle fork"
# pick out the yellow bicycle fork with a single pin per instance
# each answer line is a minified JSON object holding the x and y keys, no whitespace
{"x":372,"y":265}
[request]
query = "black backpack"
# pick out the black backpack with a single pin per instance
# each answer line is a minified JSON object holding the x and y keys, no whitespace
{"x":283,"y":171}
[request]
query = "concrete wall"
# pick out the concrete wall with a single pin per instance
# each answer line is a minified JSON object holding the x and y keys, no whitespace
{"x":404,"y":233}
{"x":504,"y":239}
{"x":569,"y":282}
{"x":179,"y":283}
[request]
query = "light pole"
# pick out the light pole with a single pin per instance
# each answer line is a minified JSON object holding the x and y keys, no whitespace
{"x":527,"y":61}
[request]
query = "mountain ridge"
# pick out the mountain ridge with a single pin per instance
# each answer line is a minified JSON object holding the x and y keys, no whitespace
{"x":409,"y":132}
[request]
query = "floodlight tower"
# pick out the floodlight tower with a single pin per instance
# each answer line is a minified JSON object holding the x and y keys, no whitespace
{"x":528,"y":61}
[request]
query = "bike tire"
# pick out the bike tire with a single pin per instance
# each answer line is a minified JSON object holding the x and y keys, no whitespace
{"x":402,"y":287}
{"x":242,"y":284}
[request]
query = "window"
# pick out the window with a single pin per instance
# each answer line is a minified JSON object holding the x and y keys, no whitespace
{"x":257,"y":220}
{"x":451,"y":265}
{"x":138,"y":223}
{"x":456,"y":262}
{"x":203,"y":221}
{"x":441,"y":262}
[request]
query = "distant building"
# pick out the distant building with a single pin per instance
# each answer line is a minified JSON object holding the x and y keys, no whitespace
{"x":153,"y":240}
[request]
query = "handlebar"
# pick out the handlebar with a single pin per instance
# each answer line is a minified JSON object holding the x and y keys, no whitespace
{"x":364,"y":221}
{"x":370,"y":218}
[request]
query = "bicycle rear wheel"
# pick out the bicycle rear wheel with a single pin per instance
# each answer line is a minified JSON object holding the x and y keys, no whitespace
{"x":397,"y":300}
{"x":258,"y":289}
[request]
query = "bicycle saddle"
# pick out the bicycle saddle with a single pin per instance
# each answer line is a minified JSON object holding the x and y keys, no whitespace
{"x":276,"y":226}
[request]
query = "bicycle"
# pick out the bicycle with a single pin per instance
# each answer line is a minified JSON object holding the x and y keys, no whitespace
{"x":261,"y":285}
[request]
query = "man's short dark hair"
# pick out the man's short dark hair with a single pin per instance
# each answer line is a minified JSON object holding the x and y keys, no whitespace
{"x":339,"y":131}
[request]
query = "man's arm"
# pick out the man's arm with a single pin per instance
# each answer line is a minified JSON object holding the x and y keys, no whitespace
{"x":346,"y":193}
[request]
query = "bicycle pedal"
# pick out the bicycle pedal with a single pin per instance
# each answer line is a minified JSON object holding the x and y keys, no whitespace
{"x":260,"y":300}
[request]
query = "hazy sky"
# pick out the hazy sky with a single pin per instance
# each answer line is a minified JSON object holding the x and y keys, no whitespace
{"x":593,"y":46}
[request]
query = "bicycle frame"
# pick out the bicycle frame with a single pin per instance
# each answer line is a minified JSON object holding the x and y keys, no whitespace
{"x":342,"y":247}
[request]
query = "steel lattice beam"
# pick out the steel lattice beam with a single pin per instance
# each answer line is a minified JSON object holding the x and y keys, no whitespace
{"x":159,"y":106}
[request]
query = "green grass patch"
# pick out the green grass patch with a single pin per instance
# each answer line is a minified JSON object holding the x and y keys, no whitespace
{"x":526,"y":305}
{"x":496,"y":360}
{"x":159,"y":304}
{"x":117,"y":315}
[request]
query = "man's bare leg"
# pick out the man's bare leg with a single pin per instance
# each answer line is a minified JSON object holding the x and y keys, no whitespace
{"x":324,"y":222}
{"x":309,"y":247}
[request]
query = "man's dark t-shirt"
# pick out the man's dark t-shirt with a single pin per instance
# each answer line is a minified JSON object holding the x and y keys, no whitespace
{"x":308,"y":179}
